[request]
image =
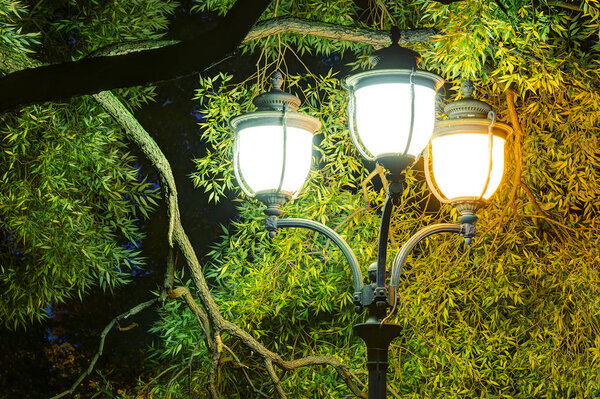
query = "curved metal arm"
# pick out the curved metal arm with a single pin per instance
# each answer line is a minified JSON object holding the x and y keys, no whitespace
{"x":333,"y":236}
{"x":407,"y":248}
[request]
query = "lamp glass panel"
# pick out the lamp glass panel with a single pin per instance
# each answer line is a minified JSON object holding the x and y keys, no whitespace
{"x":383,"y":113}
{"x":460,"y":164}
{"x":261,"y":157}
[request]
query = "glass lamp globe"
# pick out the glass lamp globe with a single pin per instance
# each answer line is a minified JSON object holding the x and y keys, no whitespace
{"x":391,"y":108}
{"x":467,"y":154}
{"x":273,"y":147}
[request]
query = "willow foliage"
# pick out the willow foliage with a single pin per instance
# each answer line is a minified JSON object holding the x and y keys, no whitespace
{"x":517,"y":314}
{"x":72,"y":193}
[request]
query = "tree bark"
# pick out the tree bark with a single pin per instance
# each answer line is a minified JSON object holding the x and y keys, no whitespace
{"x":375,"y":38}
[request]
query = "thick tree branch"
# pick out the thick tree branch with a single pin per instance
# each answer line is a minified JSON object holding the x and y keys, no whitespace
{"x":91,"y":75}
{"x":136,"y":309}
{"x":142,"y":62}
{"x":376,"y":38}
{"x":208,"y":313}
{"x":288,"y":24}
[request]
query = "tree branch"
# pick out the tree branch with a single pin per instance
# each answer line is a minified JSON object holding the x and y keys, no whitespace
{"x":288,"y":365}
{"x":136,"y":309}
{"x":517,"y":142}
{"x":91,"y":75}
{"x":376,"y":38}
{"x":143,"y":62}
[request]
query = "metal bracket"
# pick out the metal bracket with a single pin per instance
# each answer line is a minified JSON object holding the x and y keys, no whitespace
{"x":271,"y":225}
{"x":468,"y":231}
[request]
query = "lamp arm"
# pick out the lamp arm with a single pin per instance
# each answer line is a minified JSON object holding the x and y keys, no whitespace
{"x":407,"y":248}
{"x":329,"y":233}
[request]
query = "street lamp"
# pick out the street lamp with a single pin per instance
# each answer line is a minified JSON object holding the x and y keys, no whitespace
{"x":475,"y":139}
{"x":392,"y":108}
{"x":273,"y":147}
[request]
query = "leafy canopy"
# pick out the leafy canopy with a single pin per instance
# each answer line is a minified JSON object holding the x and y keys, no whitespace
{"x":72,"y":192}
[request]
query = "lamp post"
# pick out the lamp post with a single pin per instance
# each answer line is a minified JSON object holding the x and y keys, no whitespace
{"x":391,"y":116}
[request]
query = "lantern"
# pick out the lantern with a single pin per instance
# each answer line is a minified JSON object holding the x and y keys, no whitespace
{"x":273,"y":147}
{"x":391,"y":108}
{"x":466,"y":163}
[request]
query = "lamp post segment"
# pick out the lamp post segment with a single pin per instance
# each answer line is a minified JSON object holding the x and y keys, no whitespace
{"x":391,"y":114}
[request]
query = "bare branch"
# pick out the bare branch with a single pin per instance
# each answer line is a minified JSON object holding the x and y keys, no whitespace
{"x":517,"y":142}
{"x":375,"y":38}
{"x":136,"y":309}
{"x":244,"y":367}
{"x":275,"y":379}
{"x":213,"y":372}
{"x":289,"y":365}
{"x":200,"y":314}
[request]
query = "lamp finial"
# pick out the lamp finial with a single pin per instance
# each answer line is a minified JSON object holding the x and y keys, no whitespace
{"x":395,"y":34}
{"x":277,"y":80}
{"x":467,"y":88}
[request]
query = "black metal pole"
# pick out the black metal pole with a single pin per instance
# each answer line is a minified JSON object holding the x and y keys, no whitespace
{"x":377,"y":337}
{"x":384,"y":230}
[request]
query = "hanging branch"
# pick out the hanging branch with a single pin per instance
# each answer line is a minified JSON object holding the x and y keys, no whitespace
{"x":136,"y":309}
{"x":207,"y":312}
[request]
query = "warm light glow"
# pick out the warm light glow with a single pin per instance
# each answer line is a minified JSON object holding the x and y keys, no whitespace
{"x":383,"y":113}
{"x":460,"y":164}
{"x":261,"y":157}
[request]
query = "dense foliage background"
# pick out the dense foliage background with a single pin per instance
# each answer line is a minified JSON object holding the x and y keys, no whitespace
{"x":516,"y":315}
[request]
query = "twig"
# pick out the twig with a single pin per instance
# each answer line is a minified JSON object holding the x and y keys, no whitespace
{"x":136,"y":309}
{"x":275,"y":379}
{"x":214,"y":368}
{"x":200,"y":314}
{"x":189,"y":365}
{"x":539,"y":209}
{"x":549,"y":220}
{"x":244,"y":367}
{"x":288,"y":365}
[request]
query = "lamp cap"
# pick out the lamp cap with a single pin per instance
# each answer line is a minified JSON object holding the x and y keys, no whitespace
{"x":275,"y":99}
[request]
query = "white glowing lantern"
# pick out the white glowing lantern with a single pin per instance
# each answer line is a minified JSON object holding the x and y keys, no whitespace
{"x":391,"y":109}
{"x":273,"y":147}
